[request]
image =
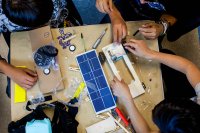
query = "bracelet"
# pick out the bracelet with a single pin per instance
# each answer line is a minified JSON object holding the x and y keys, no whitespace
{"x":165,"y":25}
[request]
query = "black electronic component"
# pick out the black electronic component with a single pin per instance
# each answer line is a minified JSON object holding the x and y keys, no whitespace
{"x":102,"y":57}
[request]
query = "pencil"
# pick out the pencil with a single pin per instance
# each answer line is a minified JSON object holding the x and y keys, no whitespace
{"x":83,"y":42}
{"x":136,"y":33}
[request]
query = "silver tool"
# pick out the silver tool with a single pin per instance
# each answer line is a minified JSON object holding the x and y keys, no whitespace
{"x":99,"y":39}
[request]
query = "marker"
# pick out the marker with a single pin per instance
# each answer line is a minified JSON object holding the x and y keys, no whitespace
{"x":83,"y":42}
{"x":99,"y":39}
{"x":135,"y":33}
{"x":121,"y":115}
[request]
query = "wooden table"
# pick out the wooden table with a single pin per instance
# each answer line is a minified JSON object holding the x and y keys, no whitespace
{"x":148,"y":71}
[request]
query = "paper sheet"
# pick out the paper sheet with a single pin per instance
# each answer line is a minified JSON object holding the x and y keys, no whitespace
{"x":20,"y":93}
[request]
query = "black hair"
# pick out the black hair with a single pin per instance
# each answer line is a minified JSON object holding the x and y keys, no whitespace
{"x":177,"y":116}
{"x":28,"y":13}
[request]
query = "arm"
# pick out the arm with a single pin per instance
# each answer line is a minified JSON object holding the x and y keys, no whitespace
{"x":118,"y":24}
{"x":121,"y":90}
{"x":22,"y":76}
{"x":104,"y":6}
{"x":139,"y":48}
{"x":153,"y":30}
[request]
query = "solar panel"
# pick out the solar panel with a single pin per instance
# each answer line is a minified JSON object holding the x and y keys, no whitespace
{"x":97,"y":85}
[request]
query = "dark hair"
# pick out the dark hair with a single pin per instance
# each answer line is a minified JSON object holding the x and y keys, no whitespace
{"x":177,"y":116}
{"x":29,"y":13}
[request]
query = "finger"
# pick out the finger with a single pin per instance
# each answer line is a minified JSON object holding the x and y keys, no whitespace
{"x":101,"y":6}
{"x":148,"y":34}
{"x":110,"y":5}
{"x":122,"y":81}
{"x":30,"y":72}
{"x":112,"y":83}
{"x":132,"y":45}
{"x":29,"y":83}
{"x":119,"y":34}
{"x":130,"y":49}
{"x":115,"y":79}
{"x":25,"y":86}
{"x":147,"y":30}
{"x":114,"y":93}
{"x":127,"y":45}
{"x":98,"y":7}
{"x":150,"y":38}
{"x":106,"y":8}
{"x":124,"y":31}
{"x":143,"y":1}
{"x":133,"y":40}
{"x":30,"y":78}
{"x":115,"y":35}
{"x":147,"y":25}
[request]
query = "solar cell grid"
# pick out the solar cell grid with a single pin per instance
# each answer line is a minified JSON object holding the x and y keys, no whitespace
{"x":94,"y":77}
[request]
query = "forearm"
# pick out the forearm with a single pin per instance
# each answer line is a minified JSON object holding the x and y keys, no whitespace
{"x":6,"y":68}
{"x":138,"y":122}
{"x":115,"y":13}
{"x":180,"y":64}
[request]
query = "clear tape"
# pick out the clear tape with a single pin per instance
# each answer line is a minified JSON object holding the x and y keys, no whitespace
{"x":74,"y":87}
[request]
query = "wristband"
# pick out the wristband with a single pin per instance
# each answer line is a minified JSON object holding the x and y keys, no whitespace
{"x":165,"y":25}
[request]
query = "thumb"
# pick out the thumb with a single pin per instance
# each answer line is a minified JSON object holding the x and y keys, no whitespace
{"x":147,"y":25}
{"x":130,"y":49}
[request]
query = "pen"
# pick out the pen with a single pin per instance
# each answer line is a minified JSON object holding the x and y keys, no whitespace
{"x":135,"y":33}
{"x":99,"y":39}
{"x":121,"y":115}
{"x":83,"y":42}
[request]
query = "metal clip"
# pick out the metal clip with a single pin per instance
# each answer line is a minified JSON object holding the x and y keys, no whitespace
{"x":76,"y":69}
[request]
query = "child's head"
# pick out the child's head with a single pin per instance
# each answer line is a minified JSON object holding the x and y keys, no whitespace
{"x":28,"y":13}
{"x":177,"y":116}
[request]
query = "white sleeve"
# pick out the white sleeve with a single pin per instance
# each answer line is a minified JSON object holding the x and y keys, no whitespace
{"x":197,"y":90}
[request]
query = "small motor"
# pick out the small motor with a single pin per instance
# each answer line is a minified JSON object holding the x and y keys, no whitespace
{"x":102,"y":57}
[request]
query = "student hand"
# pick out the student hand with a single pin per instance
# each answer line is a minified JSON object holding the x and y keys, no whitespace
{"x":24,"y":77}
{"x":151,"y":30}
{"x":139,"y":48}
{"x":143,"y":1}
{"x":104,"y":6}
{"x":119,"y":28}
{"x":121,"y":89}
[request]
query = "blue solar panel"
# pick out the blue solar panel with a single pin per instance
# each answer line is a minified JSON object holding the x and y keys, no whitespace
{"x":97,"y":85}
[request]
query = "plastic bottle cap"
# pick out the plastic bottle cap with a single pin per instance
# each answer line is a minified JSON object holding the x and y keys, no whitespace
{"x":46,"y":71}
{"x":72,"y":48}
